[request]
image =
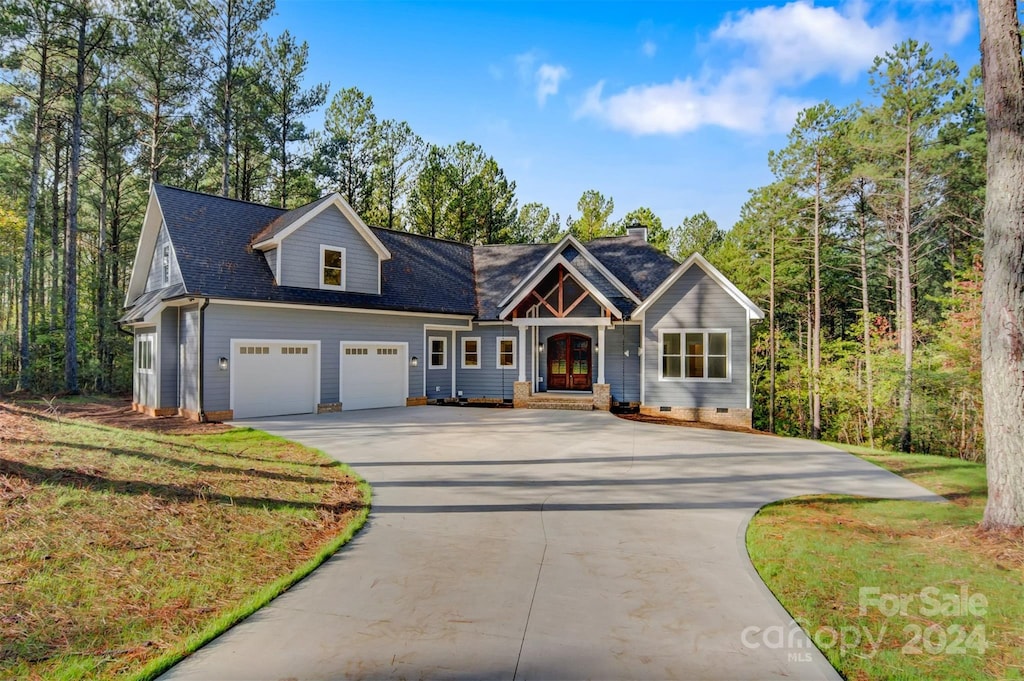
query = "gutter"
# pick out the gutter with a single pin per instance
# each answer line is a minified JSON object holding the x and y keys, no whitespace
{"x":202,"y":343}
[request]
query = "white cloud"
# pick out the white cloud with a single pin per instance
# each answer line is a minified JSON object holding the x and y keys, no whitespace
{"x":960,"y":26}
{"x":775,"y":49}
{"x":649,"y":48}
{"x":548,"y":78}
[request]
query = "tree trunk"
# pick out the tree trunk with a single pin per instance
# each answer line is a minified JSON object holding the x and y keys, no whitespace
{"x":55,"y":222}
{"x":229,"y":66}
{"x":1002,"y":331}
{"x":869,"y":389}
{"x":30,"y":218}
{"x":71,"y":247}
{"x":906,"y":296}
{"x":771,"y":330}
{"x":816,"y":320}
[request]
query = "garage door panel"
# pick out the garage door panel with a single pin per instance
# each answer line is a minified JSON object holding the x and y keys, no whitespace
{"x":373,"y":375}
{"x":274,"y":379}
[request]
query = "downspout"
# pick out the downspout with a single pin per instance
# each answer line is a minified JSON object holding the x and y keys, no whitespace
{"x":202,"y":343}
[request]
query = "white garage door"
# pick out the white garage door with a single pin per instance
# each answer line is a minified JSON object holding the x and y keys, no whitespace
{"x":274,"y":378}
{"x":373,"y":375}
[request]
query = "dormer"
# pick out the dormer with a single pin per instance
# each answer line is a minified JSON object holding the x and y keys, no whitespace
{"x":323,"y":245}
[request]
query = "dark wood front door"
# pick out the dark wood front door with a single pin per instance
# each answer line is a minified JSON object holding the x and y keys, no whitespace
{"x":569,"y":362}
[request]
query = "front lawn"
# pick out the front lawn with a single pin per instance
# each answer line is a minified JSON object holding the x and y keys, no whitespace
{"x":123,"y":550}
{"x":899,"y":589}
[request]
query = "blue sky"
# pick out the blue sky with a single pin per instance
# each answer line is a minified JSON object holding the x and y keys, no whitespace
{"x":670,"y":105}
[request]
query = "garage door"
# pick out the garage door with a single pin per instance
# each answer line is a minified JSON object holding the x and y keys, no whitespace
{"x":373,"y":375}
{"x":273,"y":379}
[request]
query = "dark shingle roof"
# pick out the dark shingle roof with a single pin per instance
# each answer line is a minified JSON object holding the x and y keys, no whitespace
{"x":212,"y":237}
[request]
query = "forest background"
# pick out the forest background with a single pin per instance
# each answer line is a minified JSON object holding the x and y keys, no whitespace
{"x":864,"y":251}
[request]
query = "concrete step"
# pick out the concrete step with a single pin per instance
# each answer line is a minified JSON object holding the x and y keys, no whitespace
{"x":564,"y":405}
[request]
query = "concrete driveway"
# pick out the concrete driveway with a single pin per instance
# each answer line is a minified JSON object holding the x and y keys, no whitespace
{"x":542,"y":545}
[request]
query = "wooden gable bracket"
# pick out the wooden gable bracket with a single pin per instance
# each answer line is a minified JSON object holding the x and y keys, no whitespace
{"x":561,"y":311}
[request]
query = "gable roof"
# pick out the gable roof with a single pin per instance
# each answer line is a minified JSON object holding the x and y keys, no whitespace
{"x":286,"y":223}
{"x":530,"y":283}
{"x":214,"y":240}
{"x":710,"y":270}
{"x":211,"y":236}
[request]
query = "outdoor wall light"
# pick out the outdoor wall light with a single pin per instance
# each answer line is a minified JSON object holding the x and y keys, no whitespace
{"x":597,"y":348}
{"x":626,"y":352}
{"x":540,"y":347}
{"x":223,"y":363}
{"x":415,"y":361}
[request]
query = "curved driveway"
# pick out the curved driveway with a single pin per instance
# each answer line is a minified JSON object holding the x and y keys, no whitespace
{"x":523,"y":544}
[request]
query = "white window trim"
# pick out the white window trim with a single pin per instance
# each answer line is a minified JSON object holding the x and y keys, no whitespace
{"x":344,"y":268}
{"x":479,"y":353}
{"x":165,"y":264}
{"x":682,"y":356}
{"x":515,"y":353}
{"x":142,"y":339}
{"x":430,"y":352}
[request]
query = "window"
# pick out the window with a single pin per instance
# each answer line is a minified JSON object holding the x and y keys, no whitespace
{"x":438,"y":352}
{"x":471,"y":353}
{"x":167,"y":264}
{"x":695,"y":355}
{"x":506,"y":352}
{"x":332,"y":267}
{"x":144,"y":346}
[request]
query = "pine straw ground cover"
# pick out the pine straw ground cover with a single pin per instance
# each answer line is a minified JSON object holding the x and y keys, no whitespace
{"x":124,"y":550}
{"x":841,"y":564}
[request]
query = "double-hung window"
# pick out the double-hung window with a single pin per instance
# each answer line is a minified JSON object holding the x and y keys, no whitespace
{"x":332,"y":267}
{"x":506,"y":352}
{"x":470,"y":353}
{"x":438,"y":352}
{"x":695,"y":355}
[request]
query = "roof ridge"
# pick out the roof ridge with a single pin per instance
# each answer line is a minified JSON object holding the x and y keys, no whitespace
{"x":225,"y":198}
{"x":421,"y":236}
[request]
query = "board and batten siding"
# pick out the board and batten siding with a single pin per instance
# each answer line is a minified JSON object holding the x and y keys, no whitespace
{"x":300,"y":254}
{"x":622,"y":373}
{"x":271,"y":258}
{"x":155,"y":279}
{"x":188,"y":352}
{"x":225,"y":322}
{"x":168,"y":342}
{"x":489,"y":381}
{"x":696,"y":301}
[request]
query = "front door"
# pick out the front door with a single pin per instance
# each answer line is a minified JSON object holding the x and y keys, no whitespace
{"x":569,"y":362}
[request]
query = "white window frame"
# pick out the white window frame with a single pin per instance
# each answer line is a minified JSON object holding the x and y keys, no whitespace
{"x":515,"y":353}
{"x":344,"y":268}
{"x":142,"y":340}
{"x":166,"y":264}
{"x":479,"y":353}
{"x":430,"y":352}
{"x":682,"y":356}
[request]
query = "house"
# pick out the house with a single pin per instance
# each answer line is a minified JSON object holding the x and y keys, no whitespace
{"x":243,"y":310}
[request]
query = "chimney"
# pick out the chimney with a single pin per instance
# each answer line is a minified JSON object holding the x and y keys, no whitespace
{"x":638,"y":231}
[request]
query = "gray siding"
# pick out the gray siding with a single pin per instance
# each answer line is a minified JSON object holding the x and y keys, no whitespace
{"x":168,"y":355}
{"x":155,"y":279}
{"x":300,"y":253}
{"x":621,"y":372}
{"x":188,"y":350}
{"x":695,"y":301}
{"x":224,"y":322}
{"x":439,"y":381}
{"x":271,"y":257}
{"x":489,"y":380}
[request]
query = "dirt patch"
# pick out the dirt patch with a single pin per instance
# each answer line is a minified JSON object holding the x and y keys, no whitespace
{"x":115,"y":412}
{"x":664,"y":421}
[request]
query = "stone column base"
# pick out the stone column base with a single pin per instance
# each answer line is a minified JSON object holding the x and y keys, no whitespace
{"x":602,"y":396}
{"x":521,"y":391}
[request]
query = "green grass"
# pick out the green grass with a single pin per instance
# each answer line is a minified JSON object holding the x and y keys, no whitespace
{"x":836,"y":562}
{"x":126,"y":550}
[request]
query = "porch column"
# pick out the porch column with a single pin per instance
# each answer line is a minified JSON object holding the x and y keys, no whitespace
{"x":600,"y":354}
{"x":522,"y":354}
